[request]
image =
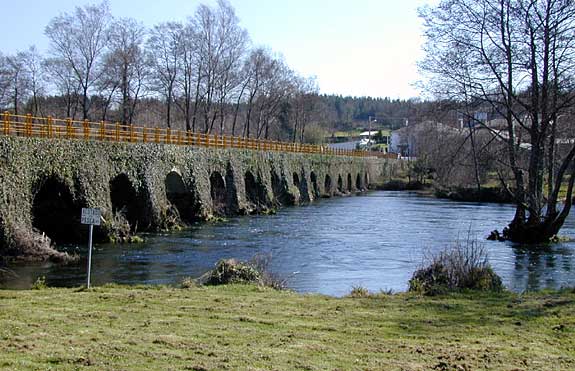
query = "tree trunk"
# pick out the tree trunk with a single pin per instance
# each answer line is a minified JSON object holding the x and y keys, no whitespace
{"x":520,"y":231}
{"x":85,"y":103}
{"x":475,"y":163}
{"x":125,"y":95}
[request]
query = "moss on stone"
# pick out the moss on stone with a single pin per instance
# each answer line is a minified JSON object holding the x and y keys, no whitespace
{"x":87,"y":168}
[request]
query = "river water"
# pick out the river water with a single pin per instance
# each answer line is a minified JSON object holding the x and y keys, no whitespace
{"x":376,"y":240}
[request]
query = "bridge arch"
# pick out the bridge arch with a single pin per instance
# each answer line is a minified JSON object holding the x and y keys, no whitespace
{"x":296,"y":181}
{"x":256,"y":192}
{"x":358,"y":185}
{"x":280,"y":190}
{"x":349,"y":183}
{"x":181,"y":197}
{"x":314,"y":186}
{"x":231,"y":192}
{"x":223,"y":192}
{"x":56,"y":212}
{"x":297,"y":184}
{"x":301,"y":184}
{"x":340,"y":184}
{"x":218,"y":193}
{"x":128,"y":202}
{"x":366,"y":180}
{"x":327,"y":185}
{"x":2,"y":233}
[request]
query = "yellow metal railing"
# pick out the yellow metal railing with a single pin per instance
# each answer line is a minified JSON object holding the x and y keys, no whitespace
{"x":48,"y":127}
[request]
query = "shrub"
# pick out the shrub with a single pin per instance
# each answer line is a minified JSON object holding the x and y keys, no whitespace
{"x":39,"y":284}
{"x":387,"y":292}
{"x":456,"y":268}
{"x":254,"y":271}
{"x":188,"y":283}
{"x":261,"y":262}
{"x":232,"y":271}
{"x":29,"y":245}
{"x":359,"y":292}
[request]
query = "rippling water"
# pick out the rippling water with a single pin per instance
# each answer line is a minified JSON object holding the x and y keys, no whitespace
{"x":375,"y":240}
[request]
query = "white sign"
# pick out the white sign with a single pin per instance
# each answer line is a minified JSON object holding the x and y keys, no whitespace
{"x":91,"y":216}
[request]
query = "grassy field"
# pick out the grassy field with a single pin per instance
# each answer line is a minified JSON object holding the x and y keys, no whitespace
{"x":240,"y":327}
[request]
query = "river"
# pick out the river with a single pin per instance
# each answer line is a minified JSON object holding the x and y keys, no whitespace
{"x":375,"y":240}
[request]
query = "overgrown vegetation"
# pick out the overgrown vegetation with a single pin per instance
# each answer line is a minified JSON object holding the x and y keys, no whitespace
{"x":255,"y":271}
{"x":37,"y":246}
{"x":39,"y":284}
{"x":232,"y":271}
{"x":359,"y":292}
{"x":463,"y":266}
{"x":247,"y":327}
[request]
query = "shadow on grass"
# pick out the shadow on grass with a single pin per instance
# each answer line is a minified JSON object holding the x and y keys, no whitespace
{"x":483,"y":311}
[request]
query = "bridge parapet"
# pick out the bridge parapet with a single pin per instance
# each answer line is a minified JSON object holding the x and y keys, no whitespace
{"x":48,"y":127}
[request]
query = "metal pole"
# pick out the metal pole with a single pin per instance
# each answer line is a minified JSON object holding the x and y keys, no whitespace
{"x":90,"y":254}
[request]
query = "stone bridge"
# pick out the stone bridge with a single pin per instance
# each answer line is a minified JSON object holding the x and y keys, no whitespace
{"x":150,"y":187}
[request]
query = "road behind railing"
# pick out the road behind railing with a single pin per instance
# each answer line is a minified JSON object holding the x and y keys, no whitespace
{"x":48,"y":127}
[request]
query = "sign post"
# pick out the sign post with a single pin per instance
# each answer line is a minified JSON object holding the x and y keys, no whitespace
{"x":91,"y":217}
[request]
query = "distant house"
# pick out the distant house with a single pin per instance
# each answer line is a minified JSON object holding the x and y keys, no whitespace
{"x":366,"y":138}
{"x":377,"y":140}
{"x":403,"y":142}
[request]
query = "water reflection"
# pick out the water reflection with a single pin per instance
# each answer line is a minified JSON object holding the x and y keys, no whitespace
{"x":549,"y":267}
{"x":375,"y":240}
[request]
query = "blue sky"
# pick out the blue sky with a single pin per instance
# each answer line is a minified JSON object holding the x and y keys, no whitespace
{"x":353,"y":47}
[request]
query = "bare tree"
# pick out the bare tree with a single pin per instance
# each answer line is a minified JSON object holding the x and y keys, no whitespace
{"x":243,"y":76}
{"x":164,"y":47}
{"x":4,"y":82}
{"x":124,"y":63}
{"x":254,"y":71}
{"x":302,"y":105}
{"x":33,"y":64}
{"x":139,"y":86}
{"x":269,"y":82}
{"x":80,"y":40}
{"x":233,"y":40}
{"x":190,"y":76}
{"x":221,"y":44}
{"x":64,"y":82}
{"x":18,"y":83}
{"x":278,"y":88}
{"x":106,"y":87}
{"x":517,"y":58}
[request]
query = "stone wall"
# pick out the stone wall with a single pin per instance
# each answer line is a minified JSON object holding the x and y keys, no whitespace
{"x":44,"y":183}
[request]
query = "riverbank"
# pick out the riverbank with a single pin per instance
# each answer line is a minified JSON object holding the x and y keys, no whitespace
{"x":460,"y":194}
{"x":240,"y":327}
{"x":469,"y":194}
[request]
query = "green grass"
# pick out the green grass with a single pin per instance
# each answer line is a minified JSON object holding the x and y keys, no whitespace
{"x":241,"y":327}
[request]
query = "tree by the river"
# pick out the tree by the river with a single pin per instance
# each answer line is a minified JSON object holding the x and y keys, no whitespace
{"x":516,"y":58}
